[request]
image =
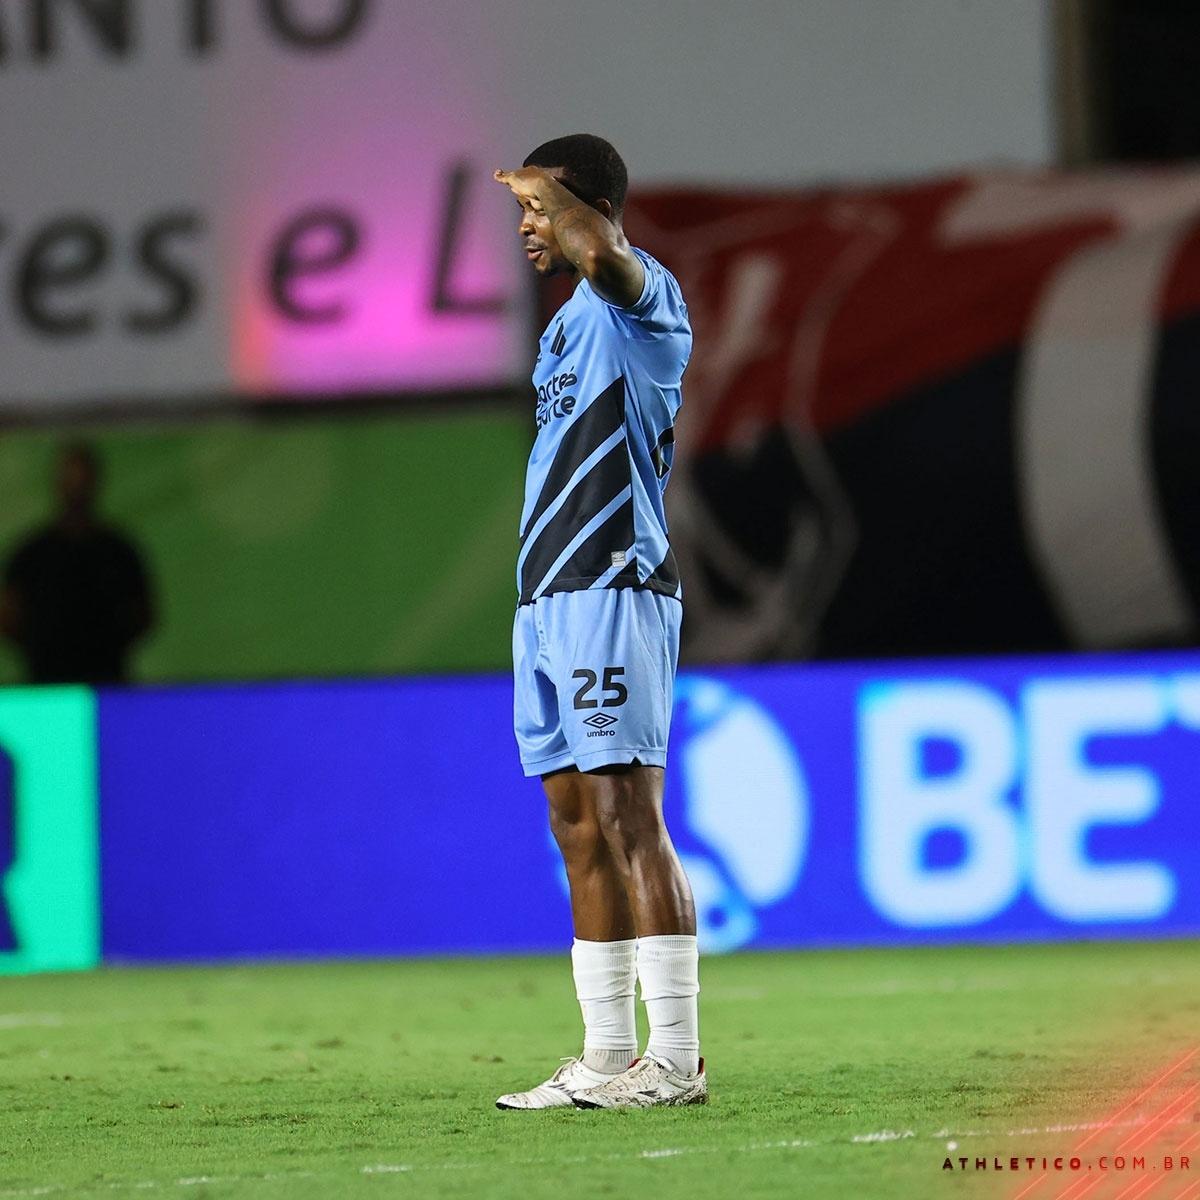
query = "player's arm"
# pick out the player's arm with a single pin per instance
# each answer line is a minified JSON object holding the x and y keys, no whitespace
{"x":594,"y":245}
{"x":597,"y":247}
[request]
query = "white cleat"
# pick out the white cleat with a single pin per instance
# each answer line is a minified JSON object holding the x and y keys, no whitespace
{"x":649,"y":1083}
{"x":559,"y":1090}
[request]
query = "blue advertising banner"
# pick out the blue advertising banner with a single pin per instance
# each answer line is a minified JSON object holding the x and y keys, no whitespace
{"x":318,"y":819}
{"x":989,"y":800}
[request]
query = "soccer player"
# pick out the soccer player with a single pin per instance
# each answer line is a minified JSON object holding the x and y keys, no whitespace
{"x":596,"y":636}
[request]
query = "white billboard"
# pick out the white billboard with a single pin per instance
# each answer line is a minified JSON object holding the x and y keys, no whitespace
{"x":206,"y":198}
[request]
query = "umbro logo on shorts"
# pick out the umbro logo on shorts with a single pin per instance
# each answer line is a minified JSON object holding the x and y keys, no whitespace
{"x":600,"y":723}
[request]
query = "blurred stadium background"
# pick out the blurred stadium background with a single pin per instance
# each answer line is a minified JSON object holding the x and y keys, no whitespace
{"x":936,"y":505}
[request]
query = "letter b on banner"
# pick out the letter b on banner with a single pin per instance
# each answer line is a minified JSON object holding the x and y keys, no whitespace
{"x":905,"y":804}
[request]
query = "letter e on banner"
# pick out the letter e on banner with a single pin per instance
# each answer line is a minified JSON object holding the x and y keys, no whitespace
{"x":312,"y":244}
{"x":1066,"y":795}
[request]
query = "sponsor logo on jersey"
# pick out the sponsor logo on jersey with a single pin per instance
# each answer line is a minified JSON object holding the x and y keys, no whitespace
{"x":552,"y":402}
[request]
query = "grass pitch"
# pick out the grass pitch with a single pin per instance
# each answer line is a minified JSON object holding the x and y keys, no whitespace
{"x":834,"y":1074}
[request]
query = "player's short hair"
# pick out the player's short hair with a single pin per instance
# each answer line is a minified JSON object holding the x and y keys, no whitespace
{"x":593,"y":170}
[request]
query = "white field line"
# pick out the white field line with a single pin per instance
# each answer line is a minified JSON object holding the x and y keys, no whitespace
{"x":883,"y":987}
{"x":1071,"y":1127}
{"x":873,"y":1138}
{"x":946,"y":985}
{"x":953,"y":984}
{"x":725,"y":994}
{"x":20,"y":1020}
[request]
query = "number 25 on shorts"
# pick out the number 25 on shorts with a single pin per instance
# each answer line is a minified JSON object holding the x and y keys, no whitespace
{"x":615,"y":694}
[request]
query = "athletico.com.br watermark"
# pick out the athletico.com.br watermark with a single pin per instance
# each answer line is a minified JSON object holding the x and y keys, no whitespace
{"x":1145,"y":1149}
{"x":1067,"y":1164}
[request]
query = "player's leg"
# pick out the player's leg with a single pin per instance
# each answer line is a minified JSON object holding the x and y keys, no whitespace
{"x":629,"y":805}
{"x":603,"y":955}
{"x":618,"y":649}
{"x":599,"y":903}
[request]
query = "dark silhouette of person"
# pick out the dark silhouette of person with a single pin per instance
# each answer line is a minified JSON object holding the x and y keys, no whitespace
{"x":76,"y":593}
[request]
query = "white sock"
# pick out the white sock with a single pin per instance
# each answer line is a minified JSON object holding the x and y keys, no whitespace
{"x":669,"y":967}
{"x":605,"y":974}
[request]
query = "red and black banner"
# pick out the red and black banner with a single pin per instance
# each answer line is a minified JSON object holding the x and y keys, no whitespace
{"x":948,"y":417}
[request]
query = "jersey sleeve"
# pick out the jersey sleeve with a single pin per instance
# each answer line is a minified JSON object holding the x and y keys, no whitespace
{"x":660,"y":309}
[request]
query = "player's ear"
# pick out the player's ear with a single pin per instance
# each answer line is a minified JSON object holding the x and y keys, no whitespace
{"x":604,"y":208}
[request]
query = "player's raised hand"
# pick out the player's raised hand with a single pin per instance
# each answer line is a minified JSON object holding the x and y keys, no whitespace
{"x":525,"y":184}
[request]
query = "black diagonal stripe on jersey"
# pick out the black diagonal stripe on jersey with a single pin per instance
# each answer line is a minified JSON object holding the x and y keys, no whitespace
{"x":607,"y":479}
{"x":665,"y":577}
{"x":594,"y":555}
{"x":626,"y":577}
{"x":658,"y":456}
{"x":560,"y":340}
{"x":598,"y":422}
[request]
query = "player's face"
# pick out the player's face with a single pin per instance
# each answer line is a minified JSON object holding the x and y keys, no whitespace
{"x":538,"y":240}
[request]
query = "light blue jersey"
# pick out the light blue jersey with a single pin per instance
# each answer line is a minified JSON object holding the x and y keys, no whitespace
{"x":607,"y":381}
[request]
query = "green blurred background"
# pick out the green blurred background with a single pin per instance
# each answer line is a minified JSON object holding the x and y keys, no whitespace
{"x":293,"y":545}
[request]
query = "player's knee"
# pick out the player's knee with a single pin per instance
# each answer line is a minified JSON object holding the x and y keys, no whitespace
{"x":579,"y":836}
{"x":628,"y":822}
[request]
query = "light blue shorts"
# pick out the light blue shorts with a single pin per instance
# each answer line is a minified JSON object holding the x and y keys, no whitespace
{"x":594,"y":674}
